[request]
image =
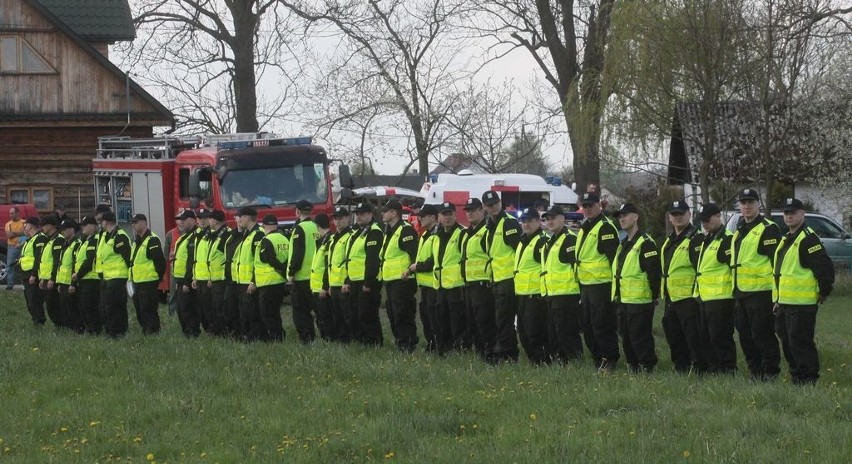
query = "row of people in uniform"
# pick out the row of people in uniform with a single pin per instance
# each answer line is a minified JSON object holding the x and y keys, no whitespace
{"x":475,"y":282}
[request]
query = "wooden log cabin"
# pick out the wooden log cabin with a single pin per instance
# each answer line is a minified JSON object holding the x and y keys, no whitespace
{"x":58,"y":93}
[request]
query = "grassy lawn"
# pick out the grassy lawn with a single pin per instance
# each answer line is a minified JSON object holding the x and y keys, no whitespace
{"x":66,"y":398}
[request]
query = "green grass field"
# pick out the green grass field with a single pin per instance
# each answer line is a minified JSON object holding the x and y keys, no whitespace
{"x":66,"y":398}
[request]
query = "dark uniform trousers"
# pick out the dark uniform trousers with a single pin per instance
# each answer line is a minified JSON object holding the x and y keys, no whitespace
{"x":564,"y":316}
{"x":450,"y":325}
{"x":88,"y":300}
{"x":250,"y":321}
{"x":343,"y":321}
{"x":231,"y":324}
{"x":35,"y":300}
{"x":532,"y":328}
{"x":70,"y":308}
{"x":204,"y":301}
{"x":600,"y":324}
{"x":402,"y":309}
{"x":189,"y":314}
{"x":795,"y":326}
{"x":635,"y":322}
{"x":505,"y":310}
{"x":428,"y":316}
{"x":367,"y":305}
{"x":756,"y":327}
{"x":303,"y":309}
{"x":146,"y":300}
{"x":53,"y":305}
{"x":326,"y":325}
{"x":218,"y":289}
{"x":717,"y":336}
{"x":681,"y":325}
{"x":479,"y":326}
{"x":270,"y":298}
{"x":114,"y":304}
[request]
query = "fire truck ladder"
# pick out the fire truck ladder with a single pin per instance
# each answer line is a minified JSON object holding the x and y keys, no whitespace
{"x":157,"y":148}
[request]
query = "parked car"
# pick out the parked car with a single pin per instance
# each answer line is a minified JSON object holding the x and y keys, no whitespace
{"x":837,"y":241}
{"x":26,"y":211}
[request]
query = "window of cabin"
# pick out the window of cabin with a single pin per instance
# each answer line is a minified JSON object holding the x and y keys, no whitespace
{"x":40,"y":197}
{"x":17,"y":56}
{"x":183,"y":182}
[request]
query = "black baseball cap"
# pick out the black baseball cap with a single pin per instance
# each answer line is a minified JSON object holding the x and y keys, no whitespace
{"x":89,"y":220}
{"x":541,"y":203}
{"x":304,"y":205}
{"x":322,"y":220}
{"x":102,"y":208}
{"x":363,"y":207}
{"x":108,"y":216}
{"x":69,"y":224}
{"x":218,"y":215}
{"x":749,"y":194}
{"x":679,"y":205}
{"x":340,"y":211}
{"x":490,"y":197}
{"x":34,"y":220}
{"x":203,"y":213}
{"x":186,"y":214}
{"x":447,"y":207}
{"x":625,"y":208}
{"x":793,"y":204}
{"x":269,"y":220}
{"x":529,"y":213}
{"x":138,"y":217}
{"x":705,"y":212}
{"x":589,"y":198}
{"x":247,"y":211}
{"x":472,"y":203}
{"x":392,"y":205}
{"x":554,"y":211}
{"x":50,"y":219}
{"x":428,"y":210}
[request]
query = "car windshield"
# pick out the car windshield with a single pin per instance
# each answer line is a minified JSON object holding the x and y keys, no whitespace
{"x":276,"y":186}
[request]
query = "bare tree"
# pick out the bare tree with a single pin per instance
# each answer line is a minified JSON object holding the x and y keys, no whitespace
{"x":208,"y":56}
{"x":568,"y":40}
{"x":408,"y":52}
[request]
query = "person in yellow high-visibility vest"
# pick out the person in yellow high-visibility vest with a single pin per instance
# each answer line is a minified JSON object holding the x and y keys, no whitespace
{"x":597,"y":242}
{"x":218,"y":269}
{"x":682,"y":316}
{"x":85,"y":282}
{"x":343,"y":311}
{"x":452,"y":324}
{"x":113,"y":258}
{"x":303,"y":247}
{"x":48,"y":267}
{"x":804,"y":276}
{"x":560,"y":289}
{"x":363,"y":278}
{"x":252,"y":327}
{"x":475,"y":324}
{"x":399,"y":251}
{"x":147,"y":268}
{"x":532,"y":309}
{"x":504,"y":235}
{"x":329,"y":328}
{"x":73,"y":318}
{"x":189,"y":313}
{"x":636,"y":290}
{"x":752,"y":254}
{"x":29,"y":264}
{"x":714,"y":288}
{"x":270,"y":271}
{"x":201,"y":271}
{"x":423,"y":271}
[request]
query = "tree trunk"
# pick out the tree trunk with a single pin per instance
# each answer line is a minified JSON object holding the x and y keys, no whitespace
{"x":244,"y":80}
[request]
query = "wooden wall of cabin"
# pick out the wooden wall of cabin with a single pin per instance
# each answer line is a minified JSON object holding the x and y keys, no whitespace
{"x":55,"y":159}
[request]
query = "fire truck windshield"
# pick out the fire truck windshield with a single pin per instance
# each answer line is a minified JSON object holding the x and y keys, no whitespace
{"x":275,"y":186}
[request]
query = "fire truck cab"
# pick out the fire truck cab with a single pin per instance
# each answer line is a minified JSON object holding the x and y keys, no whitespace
{"x":160,"y":177}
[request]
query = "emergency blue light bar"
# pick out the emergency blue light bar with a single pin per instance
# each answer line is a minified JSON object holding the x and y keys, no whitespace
{"x":237,"y":144}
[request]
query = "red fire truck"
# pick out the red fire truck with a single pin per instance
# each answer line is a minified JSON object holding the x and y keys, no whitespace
{"x":160,"y":177}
